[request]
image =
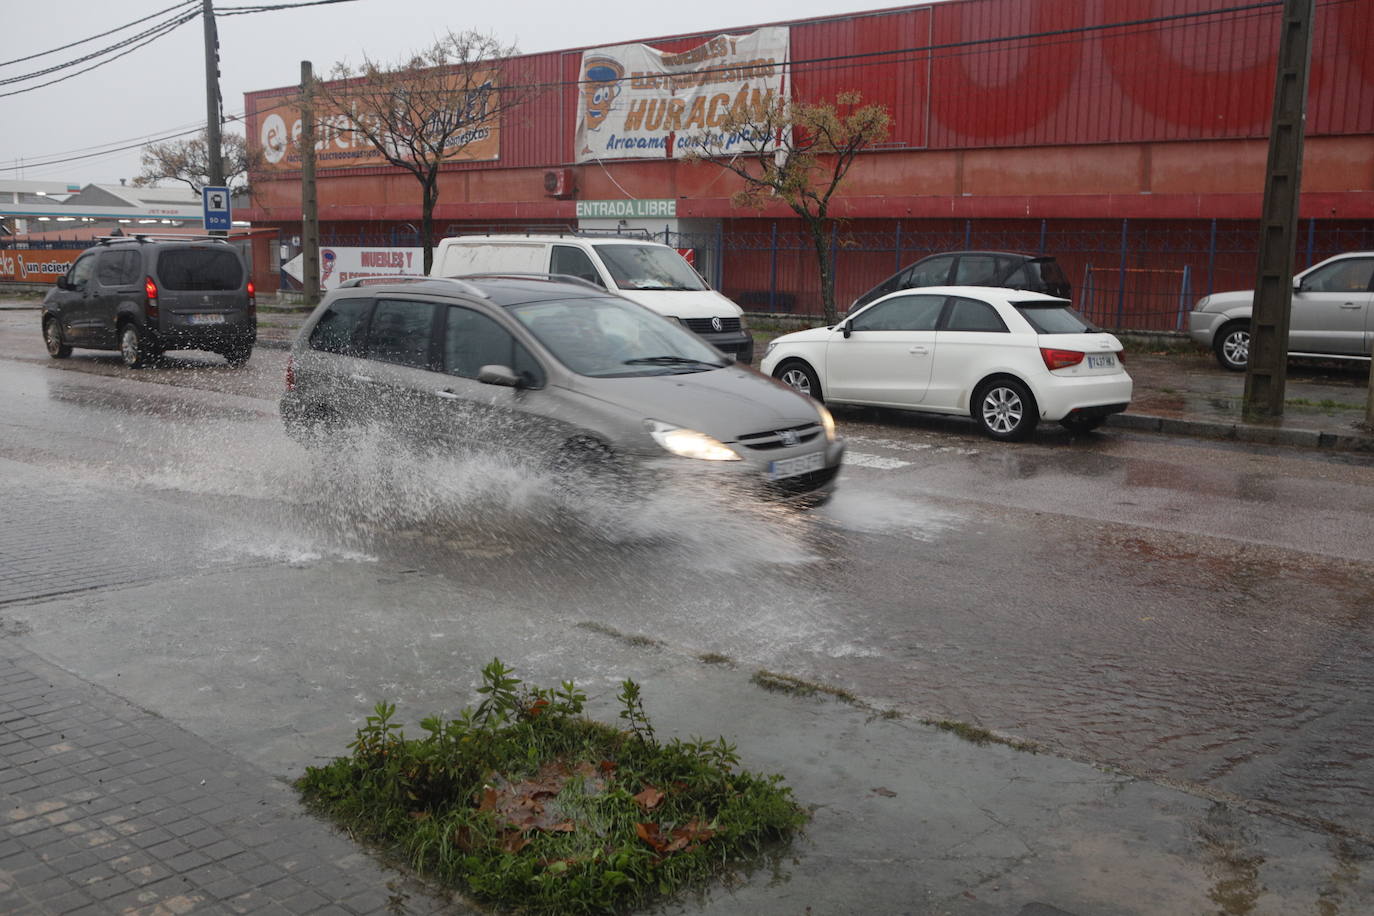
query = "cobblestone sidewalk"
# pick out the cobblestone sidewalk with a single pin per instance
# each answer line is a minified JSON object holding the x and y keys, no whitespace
{"x":105,"y":808}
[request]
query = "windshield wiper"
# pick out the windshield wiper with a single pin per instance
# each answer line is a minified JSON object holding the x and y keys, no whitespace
{"x":671,"y":361}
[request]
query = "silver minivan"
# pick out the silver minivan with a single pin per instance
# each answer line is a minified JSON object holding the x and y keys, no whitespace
{"x":550,"y":370}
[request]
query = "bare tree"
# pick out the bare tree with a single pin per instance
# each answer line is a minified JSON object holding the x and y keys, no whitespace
{"x":799,"y":153}
{"x":188,"y":161}
{"x":427,"y":110}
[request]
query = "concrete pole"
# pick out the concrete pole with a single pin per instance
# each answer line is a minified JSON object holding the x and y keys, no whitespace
{"x":1266,"y":375}
{"x":213,"y":141}
{"x":310,"y":207}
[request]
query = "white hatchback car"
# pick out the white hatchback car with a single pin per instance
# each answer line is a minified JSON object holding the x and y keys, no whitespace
{"x":1009,"y":359}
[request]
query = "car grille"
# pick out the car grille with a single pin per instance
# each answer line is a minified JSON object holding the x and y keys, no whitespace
{"x":782,"y":438}
{"x":804,"y":483}
{"x":703,"y":325}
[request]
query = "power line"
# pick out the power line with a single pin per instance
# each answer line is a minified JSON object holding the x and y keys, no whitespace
{"x":156,"y":31}
{"x":199,"y":128}
{"x":127,"y":25}
{"x":245,"y":10}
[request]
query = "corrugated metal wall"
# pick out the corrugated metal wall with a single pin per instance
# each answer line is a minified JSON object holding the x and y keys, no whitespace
{"x":964,"y":75}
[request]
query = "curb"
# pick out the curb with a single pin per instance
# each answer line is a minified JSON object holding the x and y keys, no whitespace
{"x":1243,"y":432}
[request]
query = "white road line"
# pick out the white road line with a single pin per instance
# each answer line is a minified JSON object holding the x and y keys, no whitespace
{"x":863,"y":460}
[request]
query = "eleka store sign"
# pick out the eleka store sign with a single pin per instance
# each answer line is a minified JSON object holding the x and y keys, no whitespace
{"x":274,"y":126}
{"x":636,"y":102}
{"x":26,"y":266}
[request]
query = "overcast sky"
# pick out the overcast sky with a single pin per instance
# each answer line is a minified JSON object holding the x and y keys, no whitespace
{"x":159,"y":89}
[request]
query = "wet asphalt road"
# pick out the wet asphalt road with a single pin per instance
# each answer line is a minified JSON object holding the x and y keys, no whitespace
{"x":1192,"y":611}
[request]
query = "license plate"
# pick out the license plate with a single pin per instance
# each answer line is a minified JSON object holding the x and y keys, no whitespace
{"x":215,"y":318}
{"x":791,"y":467}
{"x":1101,"y":362}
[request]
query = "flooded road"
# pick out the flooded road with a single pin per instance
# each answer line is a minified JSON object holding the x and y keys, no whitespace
{"x":1194,"y":612}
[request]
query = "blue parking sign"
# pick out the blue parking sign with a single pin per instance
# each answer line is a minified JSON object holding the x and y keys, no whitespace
{"x":217,"y":216}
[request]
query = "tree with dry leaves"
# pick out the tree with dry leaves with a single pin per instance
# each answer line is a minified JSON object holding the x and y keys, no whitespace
{"x":437,"y":106}
{"x":188,"y":161}
{"x":799,"y":153}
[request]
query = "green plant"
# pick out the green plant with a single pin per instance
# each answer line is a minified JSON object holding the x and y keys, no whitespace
{"x":632,"y":711}
{"x":525,"y":803}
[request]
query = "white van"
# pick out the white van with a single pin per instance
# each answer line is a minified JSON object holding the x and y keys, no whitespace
{"x":642,"y":271}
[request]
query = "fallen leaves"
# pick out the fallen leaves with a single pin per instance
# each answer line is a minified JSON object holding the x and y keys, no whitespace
{"x":648,"y":798}
{"x":679,"y":839}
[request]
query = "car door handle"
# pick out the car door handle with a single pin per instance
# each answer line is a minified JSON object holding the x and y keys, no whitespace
{"x":1351,"y":305}
{"x":448,"y":395}
{"x":918,"y":351}
{"x":365,"y":379}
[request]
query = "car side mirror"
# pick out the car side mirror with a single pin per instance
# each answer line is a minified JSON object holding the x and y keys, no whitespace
{"x":498,"y":375}
{"x":846,"y":329}
{"x":1297,"y":284}
{"x":62,"y":283}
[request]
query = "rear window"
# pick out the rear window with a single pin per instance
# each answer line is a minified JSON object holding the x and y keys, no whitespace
{"x":200,"y":269}
{"x":1054,"y":318}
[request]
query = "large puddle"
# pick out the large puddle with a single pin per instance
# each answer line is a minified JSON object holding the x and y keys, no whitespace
{"x":1242,"y":668}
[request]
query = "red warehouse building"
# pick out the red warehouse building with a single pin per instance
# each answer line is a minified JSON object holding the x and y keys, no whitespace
{"x":1126,"y":137}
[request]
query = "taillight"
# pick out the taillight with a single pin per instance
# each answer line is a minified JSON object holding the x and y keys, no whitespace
{"x":290,"y":374}
{"x":1121,"y":356}
{"x":1060,"y":359}
{"x":150,"y":294}
{"x":252,"y":298}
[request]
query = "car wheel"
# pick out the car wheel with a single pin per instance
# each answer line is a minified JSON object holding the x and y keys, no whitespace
{"x":1232,"y":346}
{"x":800,"y":377}
{"x":238,"y":357}
{"x":133,"y":346}
{"x":52,"y":336}
{"x":1005,"y":410}
{"x":1078,"y":423}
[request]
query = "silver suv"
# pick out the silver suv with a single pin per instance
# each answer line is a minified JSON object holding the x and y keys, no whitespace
{"x":1332,"y":314}
{"x":550,"y":369}
{"x":142,"y":295}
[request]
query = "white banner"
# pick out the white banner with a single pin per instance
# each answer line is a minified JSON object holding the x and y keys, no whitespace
{"x":640,"y":103}
{"x":340,"y":264}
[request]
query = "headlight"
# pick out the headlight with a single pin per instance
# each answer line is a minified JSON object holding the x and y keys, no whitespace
{"x":769,"y":349}
{"x":1202,"y":304}
{"x":827,"y":423}
{"x":689,"y":443}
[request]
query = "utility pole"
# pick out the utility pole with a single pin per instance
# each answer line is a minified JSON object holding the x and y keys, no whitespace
{"x":213,"y":111}
{"x":310,"y":205}
{"x":1266,"y":374}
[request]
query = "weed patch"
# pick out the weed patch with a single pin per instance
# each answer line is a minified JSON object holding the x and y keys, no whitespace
{"x":630,"y":639}
{"x":525,"y":803}
{"x":981,"y":736}
{"x":785,"y":683}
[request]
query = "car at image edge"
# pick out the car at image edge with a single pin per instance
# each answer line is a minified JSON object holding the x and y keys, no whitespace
{"x":1008,"y":359}
{"x":1332,"y":316}
{"x":554,"y":371}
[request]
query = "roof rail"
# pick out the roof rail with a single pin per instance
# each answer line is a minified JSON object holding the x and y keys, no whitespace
{"x":468,"y":288}
{"x":556,"y":232}
{"x":151,"y":237}
{"x":563,"y":278}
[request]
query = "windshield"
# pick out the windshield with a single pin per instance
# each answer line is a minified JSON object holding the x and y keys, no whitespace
{"x":610,"y":338}
{"x":1055,"y":318}
{"x":648,"y":267}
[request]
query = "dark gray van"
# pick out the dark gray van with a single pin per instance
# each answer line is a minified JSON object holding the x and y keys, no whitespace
{"x":142,"y":295}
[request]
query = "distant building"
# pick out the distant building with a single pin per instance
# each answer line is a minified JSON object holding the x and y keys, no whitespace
{"x":1128,"y":138}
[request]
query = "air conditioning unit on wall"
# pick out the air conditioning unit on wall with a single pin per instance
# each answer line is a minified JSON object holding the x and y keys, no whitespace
{"x":559,"y":183}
